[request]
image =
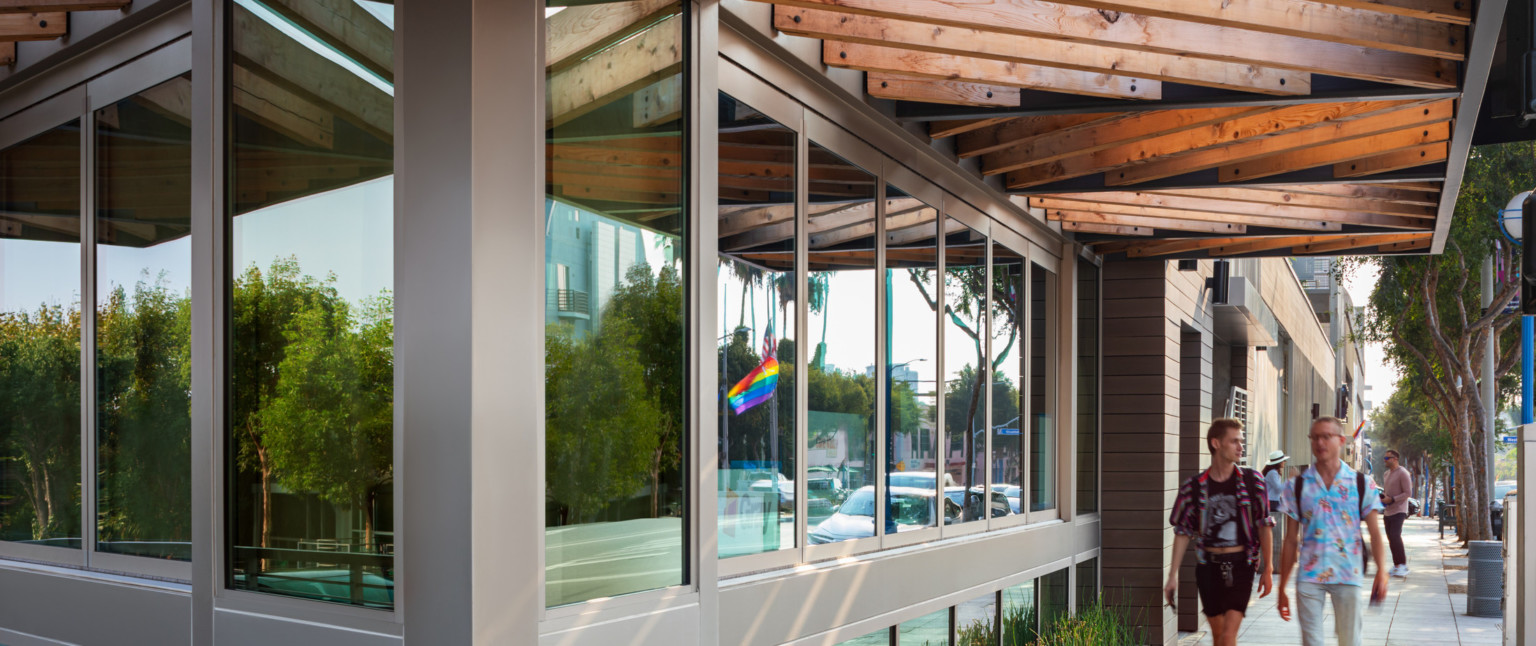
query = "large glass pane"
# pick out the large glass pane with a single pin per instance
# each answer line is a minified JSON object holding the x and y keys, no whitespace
{"x":311,"y":313}
{"x":976,"y":621}
{"x":841,"y":299}
{"x":143,"y":323}
{"x":928,"y":630}
{"x":755,"y":288}
{"x":912,"y":363}
{"x":614,"y":312}
{"x":1087,"y":387}
{"x":1021,"y":615}
{"x":1053,"y":598}
{"x":1087,"y":583}
{"x":1042,"y":388}
{"x":880,"y":637}
{"x":1007,"y":352}
{"x":40,"y":339}
{"x":965,"y":365}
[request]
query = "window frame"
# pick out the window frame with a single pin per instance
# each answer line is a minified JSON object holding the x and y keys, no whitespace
{"x":970,"y":217}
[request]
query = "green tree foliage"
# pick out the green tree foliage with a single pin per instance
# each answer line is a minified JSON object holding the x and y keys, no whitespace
{"x":40,"y":392}
{"x":144,"y":398}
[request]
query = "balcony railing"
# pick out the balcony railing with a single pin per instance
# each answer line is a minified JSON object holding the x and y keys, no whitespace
{"x":572,"y":301}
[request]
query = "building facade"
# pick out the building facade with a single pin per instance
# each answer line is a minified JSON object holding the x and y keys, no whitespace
{"x":647,"y":322}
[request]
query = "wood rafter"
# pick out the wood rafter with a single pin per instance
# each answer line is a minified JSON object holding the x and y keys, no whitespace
{"x":39,"y":6}
{"x":911,"y":88}
{"x":1125,"y":134}
{"x":1312,"y":20}
{"x":1456,"y":12}
{"x":1024,"y":130}
{"x":1353,"y":121}
{"x":348,"y":27}
{"x":1406,"y":158}
{"x":1287,"y":198}
{"x":1032,"y":50}
{"x":1274,"y":222}
{"x":942,"y":129}
{"x":874,"y":58}
{"x":614,"y":73}
{"x":1150,"y":203}
{"x":1096,"y":218}
{"x":580,"y":31}
{"x":33,"y":26}
{"x":1055,"y":21}
{"x":1114,"y":229}
{"x":1355,"y":242}
{"x":1343,"y":151}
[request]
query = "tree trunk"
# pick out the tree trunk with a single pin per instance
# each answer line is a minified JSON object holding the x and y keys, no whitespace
{"x":367,"y":504}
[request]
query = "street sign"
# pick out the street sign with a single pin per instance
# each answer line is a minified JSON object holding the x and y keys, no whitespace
{"x":1007,"y":431}
{"x":1509,"y":439}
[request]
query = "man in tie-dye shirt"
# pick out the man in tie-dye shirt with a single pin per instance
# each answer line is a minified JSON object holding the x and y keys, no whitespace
{"x":1326,"y":533}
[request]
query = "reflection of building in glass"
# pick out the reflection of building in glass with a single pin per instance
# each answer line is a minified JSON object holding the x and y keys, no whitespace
{"x":588,"y":257}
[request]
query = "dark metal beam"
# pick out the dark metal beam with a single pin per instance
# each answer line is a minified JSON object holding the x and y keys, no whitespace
{"x":1325,"y":89}
{"x":1484,"y":37}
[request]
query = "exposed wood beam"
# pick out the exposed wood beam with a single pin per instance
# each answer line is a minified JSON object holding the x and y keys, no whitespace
{"x":1032,"y":50}
{"x":275,"y":107}
{"x":1392,"y":193}
{"x":1285,"y":198}
{"x":171,"y":99}
{"x":1163,"y":248}
{"x":1365,"y":119}
{"x":1408,"y":158}
{"x":1126,"y":132}
{"x":942,"y":129}
{"x":1240,"y":246}
{"x":348,"y":27}
{"x":579,"y":31}
{"x":1179,"y":152}
{"x":1278,"y":222}
{"x":1111,"y":229}
{"x":1020,"y":131}
{"x":33,"y":26}
{"x":658,"y":103}
{"x":619,"y":195}
{"x":40,"y":6}
{"x":267,"y":52}
{"x":1344,"y":153}
{"x":1128,"y":201}
{"x":1456,"y":12}
{"x":928,"y":90}
{"x":614,"y":73}
{"x":872,"y":58}
{"x":1406,"y":246}
{"x":7,"y":53}
{"x":1304,"y":19}
{"x":1355,"y":242}
{"x":918,"y":234}
{"x":1148,"y":33}
{"x":1111,"y":219}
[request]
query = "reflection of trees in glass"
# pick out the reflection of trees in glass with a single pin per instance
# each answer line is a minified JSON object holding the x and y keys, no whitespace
{"x":614,"y":402}
{"x":40,"y":392}
{"x":979,"y":632}
{"x":144,"y":394}
{"x":311,"y":389}
{"x":960,"y":391}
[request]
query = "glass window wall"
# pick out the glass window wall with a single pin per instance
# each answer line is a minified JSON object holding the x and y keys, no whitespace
{"x":40,"y":339}
{"x":1021,"y":614}
{"x":880,"y":637}
{"x":615,"y":316}
{"x":1087,"y":583}
{"x":840,"y":298}
{"x":755,"y":289}
{"x":1042,"y":389}
{"x":311,"y":325}
{"x":965,"y":367}
{"x":1008,"y":347}
{"x":143,"y":323}
{"x":912,"y":363}
{"x":1087,"y":387}
{"x":976,"y":621}
{"x":1053,"y":598}
{"x":932,"y":629}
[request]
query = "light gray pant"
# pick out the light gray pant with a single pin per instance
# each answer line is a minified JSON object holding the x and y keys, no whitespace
{"x":1348,"y":612}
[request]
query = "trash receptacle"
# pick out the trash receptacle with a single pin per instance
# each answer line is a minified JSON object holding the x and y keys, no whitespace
{"x":1485,"y":579}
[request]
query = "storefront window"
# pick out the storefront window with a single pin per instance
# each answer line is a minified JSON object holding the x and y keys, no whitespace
{"x":976,"y":621}
{"x":40,"y":339}
{"x":615,"y":317}
{"x":840,"y":439}
{"x":965,"y":367}
{"x":880,"y":637}
{"x":1021,"y":614}
{"x":1053,"y":599}
{"x":755,"y":290}
{"x":912,"y":362}
{"x":311,"y":314}
{"x":928,"y":630}
{"x":143,"y":323}
{"x":1042,"y":389}
{"x":1087,"y":387}
{"x":1007,"y":351}
{"x":1087,"y":583}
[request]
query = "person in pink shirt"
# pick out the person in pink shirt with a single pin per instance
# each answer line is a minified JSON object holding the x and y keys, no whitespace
{"x":1399,"y":486}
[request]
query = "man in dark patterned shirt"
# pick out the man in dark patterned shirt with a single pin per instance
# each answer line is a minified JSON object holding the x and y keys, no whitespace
{"x":1224,"y":511}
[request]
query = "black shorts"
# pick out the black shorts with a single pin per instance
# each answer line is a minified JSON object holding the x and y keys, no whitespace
{"x":1217,"y":594}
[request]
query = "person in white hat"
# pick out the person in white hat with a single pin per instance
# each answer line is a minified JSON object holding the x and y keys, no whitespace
{"x":1274,"y":478}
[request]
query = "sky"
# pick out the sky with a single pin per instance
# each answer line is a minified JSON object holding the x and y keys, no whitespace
{"x":1382,"y":378}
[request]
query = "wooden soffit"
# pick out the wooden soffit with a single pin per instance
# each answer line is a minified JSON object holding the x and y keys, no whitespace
{"x":1186,"y":128}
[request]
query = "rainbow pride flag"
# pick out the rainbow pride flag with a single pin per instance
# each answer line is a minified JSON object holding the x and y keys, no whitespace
{"x":755,"y":388}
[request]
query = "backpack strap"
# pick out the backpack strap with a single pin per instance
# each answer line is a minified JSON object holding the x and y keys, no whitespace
{"x":1360,"y":492}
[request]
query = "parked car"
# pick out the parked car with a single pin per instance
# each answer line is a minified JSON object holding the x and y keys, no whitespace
{"x":1012,"y":492}
{"x":911,"y":508}
{"x":822,"y":495}
{"x":1496,"y":506}
{"x":971,"y":503}
{"x":769,"y":482}
{"x":917,"y":479}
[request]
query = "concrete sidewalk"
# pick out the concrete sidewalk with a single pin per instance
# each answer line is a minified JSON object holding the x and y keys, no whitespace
{"x":1419,"y":611}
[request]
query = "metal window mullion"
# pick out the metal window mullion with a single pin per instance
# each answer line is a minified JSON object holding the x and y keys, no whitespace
{"x":87,"y":333}
{"x":1026,"y":321}
{"x":882,"y":361}
{"x":941,"y":375}
{"x":802,"y":325}
{"x":985,"y":374}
